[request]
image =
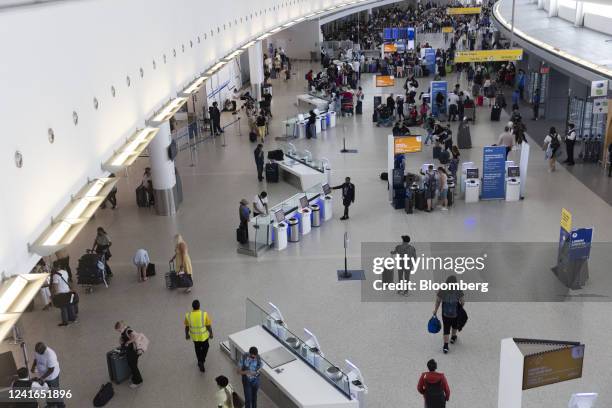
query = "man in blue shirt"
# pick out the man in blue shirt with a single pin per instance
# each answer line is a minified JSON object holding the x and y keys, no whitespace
{"x":250,"y":368}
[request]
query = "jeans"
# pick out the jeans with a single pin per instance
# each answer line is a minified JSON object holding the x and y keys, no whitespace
{"x":429,"y":137}
{"x":346,"y":210}
{"x":132,"y":360}
{"x":260,"y":170}
{"x":201,"y":350}
{"x":250,"y":386}
{"x":55,"y":384}
{"x":68,"y":313}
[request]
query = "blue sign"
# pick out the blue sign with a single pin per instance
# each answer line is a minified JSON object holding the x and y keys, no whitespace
{"x":430,"y":59}
{"x":387,"y":34}
{"x":410,"y":33}
{"x":580,"y":243}
{"x":493,"y":173}
{"x":436,"y":88}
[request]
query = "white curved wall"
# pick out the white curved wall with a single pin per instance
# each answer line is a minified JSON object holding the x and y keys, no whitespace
{"x":56,"y":58}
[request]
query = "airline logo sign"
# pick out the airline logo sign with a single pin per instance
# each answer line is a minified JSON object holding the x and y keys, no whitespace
{"x":447,"y":29}
{"x":489,"y":55}
{"x":462,"y":10}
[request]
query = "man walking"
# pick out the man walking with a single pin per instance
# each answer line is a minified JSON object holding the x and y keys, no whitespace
{"x":48,"y":369}
{"x":215,"y":119}
{"x":250,"y":368}
{"x":433,"y":386}
{"x":348,"y":196}
{"x":536,"y":104}
{"x":259,"y":161}
{"x":570,"y":140}
{"x":198,"y":328}
{"x":407,"y":250}
{"x":507,"y":140}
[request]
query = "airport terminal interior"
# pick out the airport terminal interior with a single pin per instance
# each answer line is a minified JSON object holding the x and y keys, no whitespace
{"x":260,"y":158}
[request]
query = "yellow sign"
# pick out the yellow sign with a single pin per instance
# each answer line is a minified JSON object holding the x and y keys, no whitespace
{"x":489,"y":55}
{"x":447,"y":29}
{"x":385,"y":80}
{"x":553,"y":366}
{"x":407,"y":144}
{"x":390,"y":48}
{"x":462,"y":10}
{"x":566,"y":220}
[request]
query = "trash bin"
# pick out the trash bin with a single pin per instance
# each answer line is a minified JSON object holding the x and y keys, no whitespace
{"x":316,"y":215}
{"x":294,"y":230}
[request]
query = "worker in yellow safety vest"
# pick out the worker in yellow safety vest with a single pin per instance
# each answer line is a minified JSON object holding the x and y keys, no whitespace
{"x":198,"y":327}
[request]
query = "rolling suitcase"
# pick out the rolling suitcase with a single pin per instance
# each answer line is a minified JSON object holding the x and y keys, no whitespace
{"x":253,"y":137}
{"x":118,"y":369}
{"x":436,"y":152}
{"x":495,"y":113}
{"x":142,"y":196}
{"x":479,"y":100}
{"x":241,"y":235}
{"x":359,"y":108}
{"x":387,"y":275}
{"x":272,"y":172}
{"x":170,"y":277}
{"x":419,"y":200}
{"x":450,"y":197}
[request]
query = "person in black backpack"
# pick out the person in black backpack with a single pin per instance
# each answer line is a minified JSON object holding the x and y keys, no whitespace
{"x":552,"y":143}
{"x":433,"y":387}
{"x":450,"y":300}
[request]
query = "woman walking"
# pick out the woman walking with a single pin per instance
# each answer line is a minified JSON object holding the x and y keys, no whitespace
{"x":182,"y":261}
{"x":101,"y":246}
{"x":552,"y":142}
{"x":451,"y":300}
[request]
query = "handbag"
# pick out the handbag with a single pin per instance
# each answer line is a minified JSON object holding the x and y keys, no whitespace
{"x":64,"y":299}
{"x":237,"y":400}
{"x":434,"y":325}
{"x":184,"y":280}
{"x":462,"y":317}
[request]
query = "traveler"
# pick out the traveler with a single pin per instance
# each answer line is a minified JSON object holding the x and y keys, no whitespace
{"x":453,"y":106}
{"x":397,"y":129}
{"x":141,"y":261}
{"x":516,"y":96}
{"x":47,"y":367}
{"x":62,"y":261}
{"x":223,"y":397}
{"x":570,"y":140}
{"x":24,"y":383}
{"x":260,"y":204}
{"x":259,"y":161}
{"x":112,"y":196}
{"x":360,"y":97}
{"x":198,"y":328}
{"x":59,"y":285}
{"x":431,"y":186}
{"x":127,"y":341}
{"x":244,"y":214}
{"x":261,"y":126}
{"x":182,"y":259}
{"x":453,"y":166}
{"x":45,"y":289}
{"x":311,"y":126}
{"x":443,"y":197}
{"x":464,"y":136}
{"x":536,"y":103}
{"x":552,"y":143}
{"x":250,"y":369}
{"x":399,"y":103}
{"x":348,"y":196}
{"x":101,"y":246}
{"x":450,"y":301}
{"x":433,"y":386}
{"x":391,"y":104}
{"x":506,"y":139}
{"x":520,"y":82}
{"x":215,"y":119}
{"x":147,"y":182}
{"x":404,"y":249}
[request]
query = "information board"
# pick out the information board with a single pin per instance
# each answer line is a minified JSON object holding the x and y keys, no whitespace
{"x":436,"y":88}
{"x":493,"y":173}
{"x":385,"y":80}
{"x":389,"y":47}
{"x":515,"y":54}
{"x":462,"y":10}
{"x":553,"y":366}
{"x":407,"y":144}
{"x":580,"y":244}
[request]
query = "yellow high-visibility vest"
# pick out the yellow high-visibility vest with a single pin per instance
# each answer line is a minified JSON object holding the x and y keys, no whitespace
{"x":197,"y":327}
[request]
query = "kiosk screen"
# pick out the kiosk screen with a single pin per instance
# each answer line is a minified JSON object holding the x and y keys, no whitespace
{"x":471,"y":173}
{"x":279,"y":216}
{"x":514,"y":171}
{"x":304,"y":202}
{"x":326,"y":189}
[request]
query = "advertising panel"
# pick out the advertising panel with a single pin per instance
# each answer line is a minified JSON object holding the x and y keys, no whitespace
{"x":599,"y":88}
{"x":390,"y":47}
{"x":489,"y":55}
{"x":436,"y":88}
{"x":462,"y":10}
{"x":385,"y":80}
{"x":447,"y":29}
{"x":550,"y":367}
{"x":493,"y":173}
{"x":407,"y":144}
{"x":580,"y":244}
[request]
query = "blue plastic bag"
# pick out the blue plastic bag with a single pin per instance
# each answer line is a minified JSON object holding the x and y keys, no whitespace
{"x":434,"y":325}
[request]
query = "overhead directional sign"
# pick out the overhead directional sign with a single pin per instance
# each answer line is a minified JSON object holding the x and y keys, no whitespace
{"x":489,"y":55}
{"x":462,"y":10}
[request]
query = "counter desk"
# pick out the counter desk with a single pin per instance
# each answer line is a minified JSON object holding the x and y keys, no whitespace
{"x":300,"y":174}
{"x":307,"y":102}
{"x":292,"y":384}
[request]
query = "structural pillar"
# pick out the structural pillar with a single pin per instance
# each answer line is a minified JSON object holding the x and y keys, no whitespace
{"x":165,"y":187}
{"x":540,"y":4}
{"x":256,"y":70}
{"x":579,"y":20}
{"x":553,"y":8}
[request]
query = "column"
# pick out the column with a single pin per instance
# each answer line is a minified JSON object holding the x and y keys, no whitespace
{"x":579,"y":21}
{"x":163,"y":174}
{"x":256,"y":69}
{"x":540,"y":4}
{"x":553,"y":8}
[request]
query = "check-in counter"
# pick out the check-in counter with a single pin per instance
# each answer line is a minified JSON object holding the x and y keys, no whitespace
{"x":291,"y":375}
{"x":307,"y":102}
{"x":301,"y":174}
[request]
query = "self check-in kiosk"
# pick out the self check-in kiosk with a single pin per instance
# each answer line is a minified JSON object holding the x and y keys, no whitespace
{"x":327,"y":202}
{"x":513,"y":183}
{"x":472,"y":185}
{"x":280,"y":230}
{"x":305,"y":212}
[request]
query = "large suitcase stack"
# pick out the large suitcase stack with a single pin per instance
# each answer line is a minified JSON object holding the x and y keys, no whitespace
{"x":90,"y":270}
{"x":118,"y":369}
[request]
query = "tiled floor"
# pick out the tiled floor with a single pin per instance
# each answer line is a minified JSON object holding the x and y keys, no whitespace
{"x":388,"y":341}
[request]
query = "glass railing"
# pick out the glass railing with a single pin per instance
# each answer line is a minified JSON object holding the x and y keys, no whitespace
{"x":302,"y":348}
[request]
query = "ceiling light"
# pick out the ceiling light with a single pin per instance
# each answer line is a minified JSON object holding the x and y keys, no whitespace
{"x":6,"y":323}
{"x":129,"y":152}
{"x":233,"y":55}
{"x":216,"y":67}
{"x":195,"y":86}
{"x":263,"y":36}
{"x":310,"y":15}
{"x":16,"y":294}
{"x":247,"y":45}
{"x":169,"y":110}
{"x":276,"y":30}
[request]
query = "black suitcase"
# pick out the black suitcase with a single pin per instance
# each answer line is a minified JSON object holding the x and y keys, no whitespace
{"x":103,"y":396}
{"x":384,"y":176}
{"x":375,"y":117}
{"x":399,"y":198}
{"x":171,"y":280}
{"x":150,"y":269}
{"x":277,"y":155}
{"x":253,"y":136}
{"x":142,"y":196}
{"x":450,"y":197}
{"x":387,"y":275}
{"x":419,"y":200}
{"x":444,"y":157}
{"x":118,"y":369}
{"x":272,"y":172}
{"x":436,"y":152}
{"x":495,"y":113}
{"x":88,"y":271}
{"x":241,"y":235}
{"x":359,"y":108}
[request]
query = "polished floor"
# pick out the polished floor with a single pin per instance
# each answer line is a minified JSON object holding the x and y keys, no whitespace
{"x":388,"y":341}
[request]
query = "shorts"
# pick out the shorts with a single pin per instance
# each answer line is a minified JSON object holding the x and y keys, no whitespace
{"x":430,"y":195}
{"x":443,"y":194}
{"x":448,"y":323}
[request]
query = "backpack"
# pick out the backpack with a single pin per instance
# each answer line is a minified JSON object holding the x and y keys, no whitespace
{"x":434,"y":395}
{"x":554,"y":143}
{"x":141,"y":342}
{"x":105,"y":394}
{"x":261,"y":121}
{"x":449,"y":308}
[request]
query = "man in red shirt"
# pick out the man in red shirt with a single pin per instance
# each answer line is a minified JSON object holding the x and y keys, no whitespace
{"x":434,"y":387}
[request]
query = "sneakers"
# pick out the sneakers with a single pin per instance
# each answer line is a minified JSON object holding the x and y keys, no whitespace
{"x":445,"y":348}
{"x":132,"y":385}
{"x":62,"y":324}
{"x":453,"y":339}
